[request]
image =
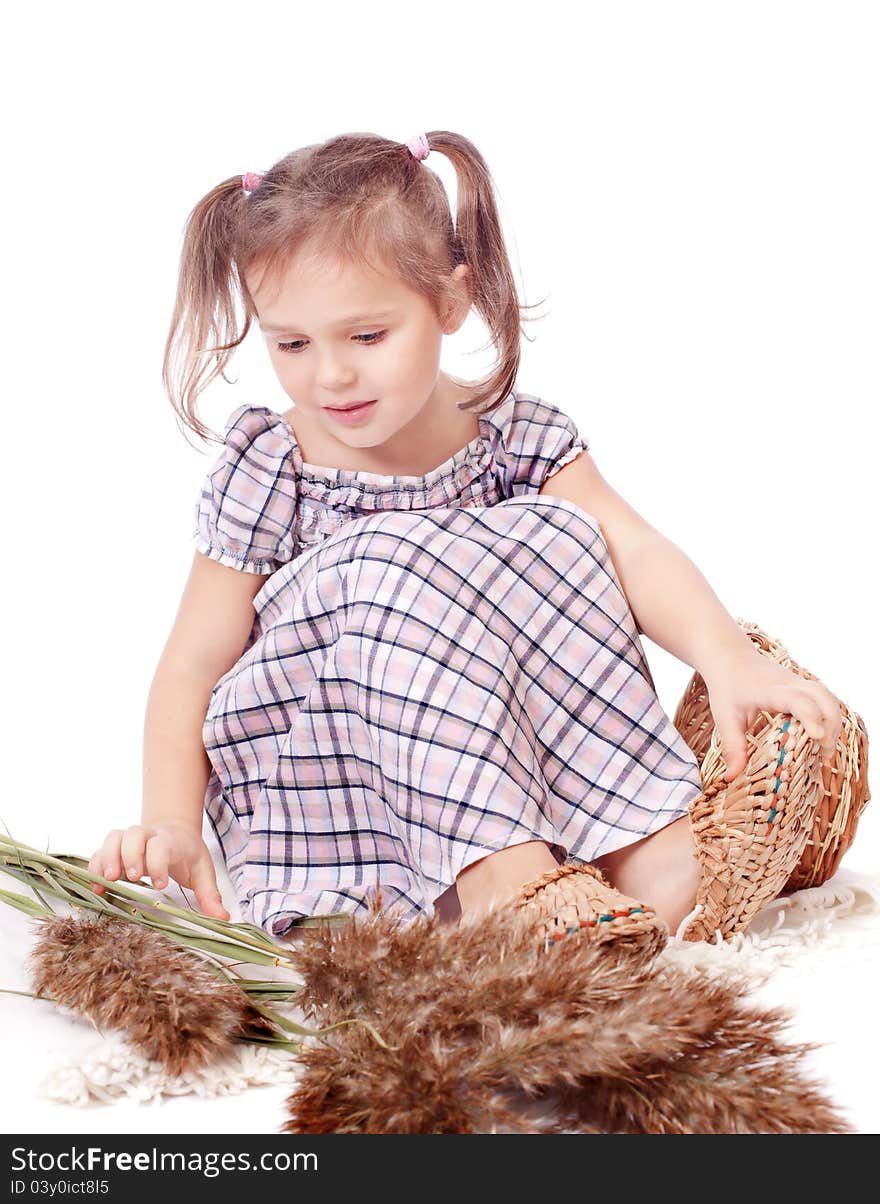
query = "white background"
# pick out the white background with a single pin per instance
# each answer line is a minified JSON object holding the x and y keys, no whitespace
{"x":690,"y":189}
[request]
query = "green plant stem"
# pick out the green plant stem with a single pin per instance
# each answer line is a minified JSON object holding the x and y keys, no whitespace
{"x":234,"y":945}
{"x":247,"y":935}
{"x":66,"y":879}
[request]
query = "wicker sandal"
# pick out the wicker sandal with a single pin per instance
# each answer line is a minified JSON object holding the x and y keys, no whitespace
{"x":578,"y":899}
{"x":784,"y":823}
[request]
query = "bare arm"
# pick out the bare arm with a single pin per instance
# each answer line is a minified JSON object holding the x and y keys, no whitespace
{"x":671,"y":601}
{"x":175,"y":765}
{"x":676,"y":607}
{"x":212,"y":624}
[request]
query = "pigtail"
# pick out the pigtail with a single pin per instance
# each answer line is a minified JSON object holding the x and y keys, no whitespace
{"x":480,"y":244}
{"x":356,"y":196}
{"x":204,"y":325}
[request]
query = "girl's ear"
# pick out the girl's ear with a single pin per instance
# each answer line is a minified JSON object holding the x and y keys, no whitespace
{"x":458,"y":302}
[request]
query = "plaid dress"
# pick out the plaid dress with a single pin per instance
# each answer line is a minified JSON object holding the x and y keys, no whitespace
{"x":439,"y":667}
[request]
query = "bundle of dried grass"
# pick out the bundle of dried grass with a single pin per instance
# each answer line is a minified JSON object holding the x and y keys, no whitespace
{"x":428,"y":1027}
{"x":477,"y":1020}
{"x":171,"y":1004}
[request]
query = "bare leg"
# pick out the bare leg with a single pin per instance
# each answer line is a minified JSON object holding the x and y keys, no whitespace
{"x":659,"y":869}
{"x":497,"y":877}
{"x":446,"y":906}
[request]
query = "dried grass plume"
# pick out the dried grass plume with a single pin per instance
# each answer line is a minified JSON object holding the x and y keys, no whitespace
{"x":481,"y":1021}
{"x":167,"y":1001}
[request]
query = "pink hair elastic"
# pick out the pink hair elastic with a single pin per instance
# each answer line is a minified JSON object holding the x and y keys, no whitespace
{"x":419,"y":146}
{"x":250,"y":180}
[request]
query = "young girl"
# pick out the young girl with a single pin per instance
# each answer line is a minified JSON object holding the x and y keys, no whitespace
{"x":408,"y":653}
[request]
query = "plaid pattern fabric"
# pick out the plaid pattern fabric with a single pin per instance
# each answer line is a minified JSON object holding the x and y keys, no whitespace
{"x":424,"y":686}
{"x":261,"y":505}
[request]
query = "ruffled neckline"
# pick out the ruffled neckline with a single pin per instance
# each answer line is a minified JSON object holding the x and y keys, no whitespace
{"x":461,"y":467}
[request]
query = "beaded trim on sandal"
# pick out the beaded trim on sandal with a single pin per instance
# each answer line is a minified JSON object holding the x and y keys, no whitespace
{"x":578,"y":899}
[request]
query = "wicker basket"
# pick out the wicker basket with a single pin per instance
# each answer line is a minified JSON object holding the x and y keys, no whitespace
{"x":785,"y":822}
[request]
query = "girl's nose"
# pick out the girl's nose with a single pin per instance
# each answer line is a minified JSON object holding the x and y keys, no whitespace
{"x":334,"y":374}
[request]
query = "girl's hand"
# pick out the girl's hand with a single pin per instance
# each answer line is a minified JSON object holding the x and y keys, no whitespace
{"x":745,"y":682}
{"x":169,"y":849}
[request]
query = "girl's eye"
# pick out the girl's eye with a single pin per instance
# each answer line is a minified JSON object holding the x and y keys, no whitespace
{"x":375,"y":337}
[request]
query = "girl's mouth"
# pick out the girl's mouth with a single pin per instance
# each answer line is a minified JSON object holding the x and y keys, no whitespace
{"x":355,"y":414}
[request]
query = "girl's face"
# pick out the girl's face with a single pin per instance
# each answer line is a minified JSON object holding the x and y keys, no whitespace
{"x":338,"y":332}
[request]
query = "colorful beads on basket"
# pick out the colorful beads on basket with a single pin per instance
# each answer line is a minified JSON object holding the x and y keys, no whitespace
{"x":778,"y":790}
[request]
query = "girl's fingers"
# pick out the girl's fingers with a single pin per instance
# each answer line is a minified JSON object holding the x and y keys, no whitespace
{"x":96,"y":866}
{"x":804,"y":706}
{"x":132,"y":852}
{"x":833,"y":725}
{"x":204,"y":882}
{"x":820,"y":726}
{"x":108,"y":855}
{"x":156,"y":855}
{"x":105,"y":861}
{"x":828,"y":706}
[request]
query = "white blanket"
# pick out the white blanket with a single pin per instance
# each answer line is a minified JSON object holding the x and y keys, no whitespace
{"x":822,"y":947}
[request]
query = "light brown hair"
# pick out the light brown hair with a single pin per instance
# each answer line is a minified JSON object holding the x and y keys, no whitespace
{"x":359,"y":197}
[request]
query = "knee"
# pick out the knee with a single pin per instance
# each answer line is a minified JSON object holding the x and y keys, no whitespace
{"x":563,"y":512}
{"x":380,"y":571}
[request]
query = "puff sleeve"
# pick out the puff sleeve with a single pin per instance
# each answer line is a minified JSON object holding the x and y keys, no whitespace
{"x":535,"y":440}
{"x":246,"y":508}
